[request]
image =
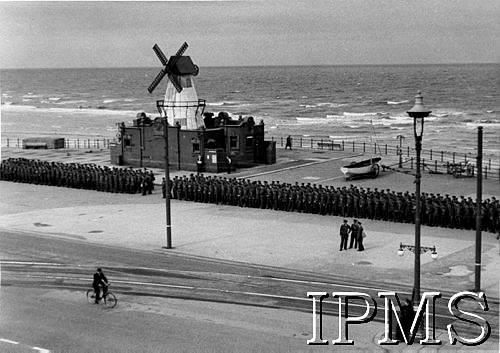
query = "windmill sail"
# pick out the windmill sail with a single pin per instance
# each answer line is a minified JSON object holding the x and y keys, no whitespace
{"x":157,"y":80}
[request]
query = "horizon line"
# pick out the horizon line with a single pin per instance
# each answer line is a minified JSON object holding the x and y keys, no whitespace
{"x":254,"y":66}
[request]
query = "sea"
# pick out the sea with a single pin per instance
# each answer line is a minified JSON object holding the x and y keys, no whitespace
{"x":351,"y":103}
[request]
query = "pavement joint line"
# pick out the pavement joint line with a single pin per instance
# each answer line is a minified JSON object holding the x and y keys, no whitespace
{"x":8,"y":341}
{"x":41,"y":350}
{"x":233,"y":292}
{"x":324,"y":283}
{"x":206,"y":289}
{"x":279,"y":279}
{"x":255,"y":277}
{"x":7,"y":262}
{"x":297,"y":166}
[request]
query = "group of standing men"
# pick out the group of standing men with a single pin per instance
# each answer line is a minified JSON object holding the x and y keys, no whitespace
{"x":357,"y":234}
{"x":77,"y":175}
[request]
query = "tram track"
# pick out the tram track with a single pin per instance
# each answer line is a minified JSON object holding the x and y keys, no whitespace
{"x":259,"y":291}
{"x":69,"y":264}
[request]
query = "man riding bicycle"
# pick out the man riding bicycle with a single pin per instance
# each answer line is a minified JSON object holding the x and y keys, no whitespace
{"x":99,"y":280}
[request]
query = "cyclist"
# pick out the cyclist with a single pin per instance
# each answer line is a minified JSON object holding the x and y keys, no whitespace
{"x":99,"y":280}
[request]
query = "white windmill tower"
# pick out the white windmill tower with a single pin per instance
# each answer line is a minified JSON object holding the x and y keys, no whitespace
{"x":181,"y":104}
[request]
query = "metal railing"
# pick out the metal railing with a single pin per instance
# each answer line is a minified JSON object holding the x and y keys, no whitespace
{"x":435,"y":161}
{"x":79,"y":143}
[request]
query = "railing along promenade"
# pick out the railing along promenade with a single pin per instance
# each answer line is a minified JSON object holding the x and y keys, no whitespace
{"x":78,"y":143}
{"x":461,"y":164}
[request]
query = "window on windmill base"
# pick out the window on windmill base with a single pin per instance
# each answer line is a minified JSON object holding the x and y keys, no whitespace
{"x":233,"y":142}
{"x":249,"y":141}
{"x":127,"y":141}
{"x":196,"y":147}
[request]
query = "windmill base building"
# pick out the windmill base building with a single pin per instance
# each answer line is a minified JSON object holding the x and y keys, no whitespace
{"x":197,"y":140}
{"x":221,"y":144}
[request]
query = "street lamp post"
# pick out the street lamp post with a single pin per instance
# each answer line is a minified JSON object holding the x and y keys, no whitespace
{"x":418,"y":113}
{"x":167,"y":181}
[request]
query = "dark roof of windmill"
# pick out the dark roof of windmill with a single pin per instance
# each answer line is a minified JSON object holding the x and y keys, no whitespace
{"x":183,"y":66}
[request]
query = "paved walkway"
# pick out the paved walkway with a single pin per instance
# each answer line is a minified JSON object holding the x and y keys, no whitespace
{"x":291,"y":240}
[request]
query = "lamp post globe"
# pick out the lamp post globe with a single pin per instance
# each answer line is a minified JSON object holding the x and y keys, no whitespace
{"x":418,"y":112}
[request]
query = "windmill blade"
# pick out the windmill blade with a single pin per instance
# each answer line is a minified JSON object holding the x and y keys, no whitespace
{"x":160,"y":55}
{"x":175,"y":81}
{"x":173,"y":59}
{"x":182,"y":49}
{"x":157,"y":80}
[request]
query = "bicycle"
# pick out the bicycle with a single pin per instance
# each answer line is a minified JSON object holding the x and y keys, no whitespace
{"x":108,"y":298}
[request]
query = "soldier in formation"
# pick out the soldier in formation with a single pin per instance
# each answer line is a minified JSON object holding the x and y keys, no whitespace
{"x":352,"y":201}
{"x":76,"y":175}
{"x":347,"y":201}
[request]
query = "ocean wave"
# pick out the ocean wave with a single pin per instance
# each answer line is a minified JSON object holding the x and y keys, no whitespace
{"x":488,"y":121}
{"x":314,"y":120}
{"x":332,"y":105}
{"x":107,"y":101}
{"x":94,"y":111}
{"x":323,"y":104}
{"x":71,"y":102}
{"x":217,"y":104}
{"x":54,"y":99}
{"x":362,"y":114}
{"x":441,"y":113}
{"x":397,"y":102}
{"x":479,"y":123}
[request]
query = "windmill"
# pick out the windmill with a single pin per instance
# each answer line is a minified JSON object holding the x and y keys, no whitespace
{"x":181,"y":104}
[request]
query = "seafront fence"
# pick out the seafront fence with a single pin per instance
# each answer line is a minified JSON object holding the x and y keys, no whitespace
{"x":79,"y":143}
{"x":460,"y":164}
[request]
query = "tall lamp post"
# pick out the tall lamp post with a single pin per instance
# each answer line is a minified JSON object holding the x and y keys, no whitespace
{"x":167,"y":181}
{"x":418,"y":113}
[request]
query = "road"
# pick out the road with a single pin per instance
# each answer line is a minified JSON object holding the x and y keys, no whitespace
{"x":167,"y":302}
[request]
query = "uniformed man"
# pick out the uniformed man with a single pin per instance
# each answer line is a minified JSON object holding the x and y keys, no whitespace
{"x":345,"y":229}
{"x":354,"y":234}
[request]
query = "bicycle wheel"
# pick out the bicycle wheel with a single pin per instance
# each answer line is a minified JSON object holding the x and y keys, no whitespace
{"x":91,"y":296}
{"x":110,"y":300}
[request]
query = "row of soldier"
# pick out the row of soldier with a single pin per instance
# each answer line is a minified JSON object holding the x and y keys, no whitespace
{"x":387,"y":205}
{"x":349,"y":201}
{"x":76,"y":175}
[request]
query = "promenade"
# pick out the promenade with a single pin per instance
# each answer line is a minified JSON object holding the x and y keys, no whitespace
{"x":304,"y":242}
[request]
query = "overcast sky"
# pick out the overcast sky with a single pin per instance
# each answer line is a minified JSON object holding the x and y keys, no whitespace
{"x":238,"y":33}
